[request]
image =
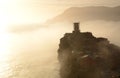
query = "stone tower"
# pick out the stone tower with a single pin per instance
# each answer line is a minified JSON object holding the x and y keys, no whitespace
{"x":76,"y":28}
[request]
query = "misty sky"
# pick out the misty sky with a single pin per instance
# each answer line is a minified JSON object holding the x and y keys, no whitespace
{"x":70,"y":2}
{"x":37,"y":11}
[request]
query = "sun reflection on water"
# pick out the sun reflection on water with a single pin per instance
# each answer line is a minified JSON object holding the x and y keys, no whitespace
{"x":4,"y":54}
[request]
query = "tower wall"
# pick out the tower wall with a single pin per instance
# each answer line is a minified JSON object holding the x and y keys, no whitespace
{"x":76,"y":27}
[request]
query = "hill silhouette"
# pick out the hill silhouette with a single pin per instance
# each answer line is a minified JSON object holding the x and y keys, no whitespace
{"x":88,"y":14}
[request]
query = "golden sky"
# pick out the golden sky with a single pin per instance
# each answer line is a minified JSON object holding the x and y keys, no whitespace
{"x":37,"y":11}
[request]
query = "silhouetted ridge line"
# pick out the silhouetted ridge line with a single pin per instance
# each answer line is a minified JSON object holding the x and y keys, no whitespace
{"x":88,"y":14}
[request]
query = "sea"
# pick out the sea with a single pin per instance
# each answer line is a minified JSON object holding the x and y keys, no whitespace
{"x":28,"y":55}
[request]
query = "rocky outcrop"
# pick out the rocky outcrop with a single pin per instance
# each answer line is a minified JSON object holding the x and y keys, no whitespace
{"x":82,"y":55}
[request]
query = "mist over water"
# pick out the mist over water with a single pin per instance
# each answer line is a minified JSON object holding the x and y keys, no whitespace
{"x":107,"y":29}
{"x":34,"y":53}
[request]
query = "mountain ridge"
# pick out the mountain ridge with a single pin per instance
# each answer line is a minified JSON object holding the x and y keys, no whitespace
{"x":87,"y":14}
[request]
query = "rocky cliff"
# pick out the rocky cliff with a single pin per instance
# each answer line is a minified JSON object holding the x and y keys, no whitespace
{"x":82,"y":55}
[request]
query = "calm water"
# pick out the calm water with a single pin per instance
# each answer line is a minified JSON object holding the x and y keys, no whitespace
{"x":31,"y":66}
{"x":27,"y":56}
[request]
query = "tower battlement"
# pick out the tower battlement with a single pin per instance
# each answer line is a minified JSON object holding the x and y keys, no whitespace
{"x":76,"y":27}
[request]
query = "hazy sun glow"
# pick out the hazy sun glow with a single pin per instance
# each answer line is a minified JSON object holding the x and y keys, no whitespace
{"x":14,"y":12}
{"x":4,"y":36}
{"x":4,"y":43}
